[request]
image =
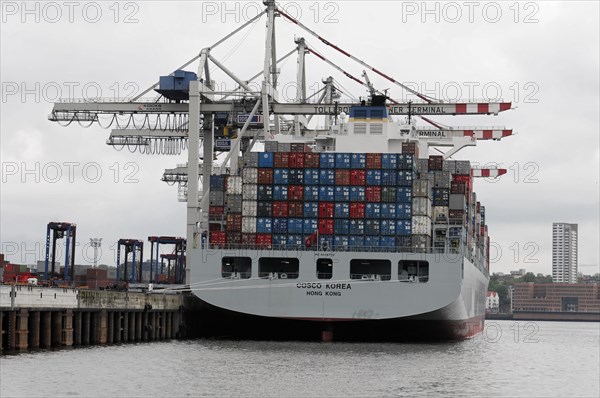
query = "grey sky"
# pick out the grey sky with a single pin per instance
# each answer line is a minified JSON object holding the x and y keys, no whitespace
{"x":543,"y":56}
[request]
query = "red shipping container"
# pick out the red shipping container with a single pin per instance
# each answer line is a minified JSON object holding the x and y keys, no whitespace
{"x":435,"y":162}
{"x":342,"y":177}
{"x":326,"y":227}
{"x":216,"y":212}
{"x":312,"y":160}
{"x":218,"y":238}
{"x":326,"y":209}
{"x":264,"y":240}
{"x":358,"y":177}
{"x":357,"y":210}
{"x":234,"y":223}
{"x":281,"y":159}
{"x":296,"y":209}
{"x":373,"y":161}
{"x":265,"y":176}
{"x":296,"y":192}
{"x":213,"y":226}
{"x":249,"y":239}
{"x":461,"y":178}
{"x":296,"y":160}
{"x":280,"y":209}
{"x":373,"y":194}
{"x":410,"y":148}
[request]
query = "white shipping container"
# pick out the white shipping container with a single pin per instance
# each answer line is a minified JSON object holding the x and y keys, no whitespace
{"x":421,"y":225}
{"x":249,"y":192}
{"x":250,"y":175}
{"x":440,"y":213}
{"x":249,"y":208}
{"x":249,"y":225}
{"x":234,"y":185}
{"x":421,"y":207}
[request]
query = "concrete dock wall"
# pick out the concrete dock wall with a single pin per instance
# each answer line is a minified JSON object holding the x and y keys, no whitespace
{"x":38,"y":317}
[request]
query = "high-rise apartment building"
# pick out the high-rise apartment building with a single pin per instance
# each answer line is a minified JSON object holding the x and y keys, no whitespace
{"x":564,"y":253}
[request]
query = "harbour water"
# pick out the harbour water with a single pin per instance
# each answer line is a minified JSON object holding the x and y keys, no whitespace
{"x":509,"y":359}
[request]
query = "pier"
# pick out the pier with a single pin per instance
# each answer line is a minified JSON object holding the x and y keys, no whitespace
{"x":35,"y":317}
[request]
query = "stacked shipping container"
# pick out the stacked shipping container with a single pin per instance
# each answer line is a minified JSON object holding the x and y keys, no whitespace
{"x":348,"y":201}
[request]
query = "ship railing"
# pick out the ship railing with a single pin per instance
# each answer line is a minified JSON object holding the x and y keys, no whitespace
{"x":336,"y":248}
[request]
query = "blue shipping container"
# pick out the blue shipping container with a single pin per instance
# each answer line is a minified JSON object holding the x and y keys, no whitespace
{"x":325,"y":241}
{"x":404,"y":195}
{"x":388,"y":178}
{"x":373,"y":210}
{"x":340,"y":241}
{"x":264,"y":225}
{"x":405,"y":178}
{"x":404,"y":211}
{"x":341,"y":226}
{"x":327,"y":177}
{"x":326,"y":193}
{"x":388,"y":241}
{"x":357,"y":227}
{"x":388,"y":227}
{"x":265,"y":192}
{"x":388,"y":210}
{"x":341,"y":210}
{"x":311,"y":176}
{"x":356,"y":241}
{"x":280,"y":192}
{"x":374,"y":177}
{"x":357,"y":194}
{"x":279,"y":240}
{"x":311,"y":193}
{"x":327,"y":160}
{"x":407,"y":162}
{"x":280,"y":226}
{"x":217,"y":183}
{"x":342,"y":194}
{"x":358,"y":161}
{"x":295,"y":225}
{"x":295,"y":240}
{"x":372,"y":241}
{"x":265,"y":159}
{"x":342,"y":160}
{"x":389,"y":161}
{"x":281,"y":176}
{"x":403,"y":227}
{"x":296,"y":177}
{"x":310,"y":226}
{"x":372,"y":227}
{"x":311,"y":209}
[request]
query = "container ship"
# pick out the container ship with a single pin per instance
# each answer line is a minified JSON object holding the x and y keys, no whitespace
{"x":348,"y":231}
{"x":351,"y":234}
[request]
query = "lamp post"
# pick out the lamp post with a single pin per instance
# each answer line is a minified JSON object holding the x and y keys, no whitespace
{"x":96,"y":243}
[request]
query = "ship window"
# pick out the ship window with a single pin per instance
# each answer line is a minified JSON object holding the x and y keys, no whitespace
{"x":413,"y":271}
{"x":360,"y":113}
{"x":278,"y":268}
{"x":371,"y":270}
{"x":360,"y":128}
{"x":376,"y":128}
{"x":236,"y":267}
{"x":377,"y":114}
{"x":324,"y":268}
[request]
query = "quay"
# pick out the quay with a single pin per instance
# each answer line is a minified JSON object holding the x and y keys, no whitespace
{"x":35,"y":317}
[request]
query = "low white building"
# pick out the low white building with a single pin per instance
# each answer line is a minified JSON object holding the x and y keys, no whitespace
{"x":492,"y":302}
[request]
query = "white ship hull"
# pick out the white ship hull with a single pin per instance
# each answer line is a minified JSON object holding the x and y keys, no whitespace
{"x":449,"y":304}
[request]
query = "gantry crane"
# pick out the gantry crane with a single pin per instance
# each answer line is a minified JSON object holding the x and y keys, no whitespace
{"x":163,"y":125}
